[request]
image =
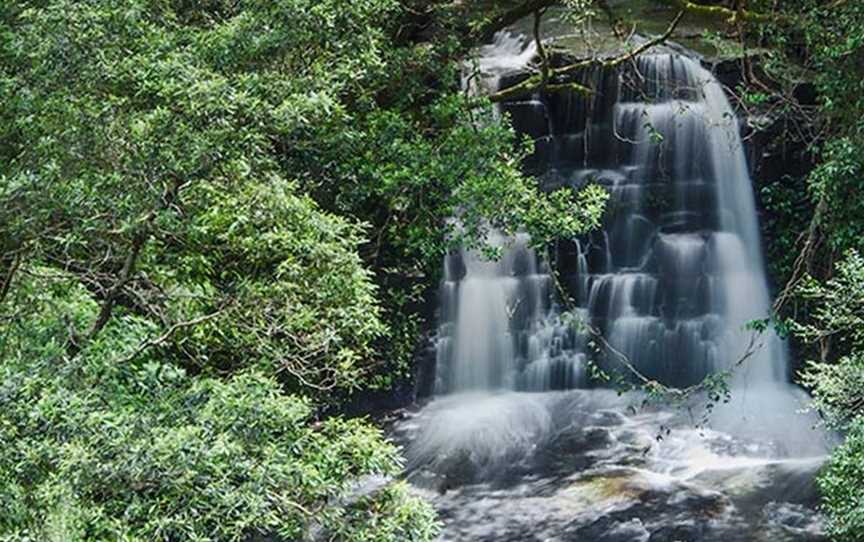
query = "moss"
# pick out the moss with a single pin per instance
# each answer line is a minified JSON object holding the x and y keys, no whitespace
{"x":616,"y":486}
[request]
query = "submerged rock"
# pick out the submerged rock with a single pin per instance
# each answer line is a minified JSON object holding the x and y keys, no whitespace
{"x":587,"y":483}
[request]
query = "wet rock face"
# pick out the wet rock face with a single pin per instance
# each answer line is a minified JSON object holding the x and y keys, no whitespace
{"x":599,"y":470}
{"x":671,"y":277}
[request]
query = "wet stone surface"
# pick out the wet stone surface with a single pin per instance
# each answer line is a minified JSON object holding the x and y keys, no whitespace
{"x":598,"y":472}
{"x":670,"y":280}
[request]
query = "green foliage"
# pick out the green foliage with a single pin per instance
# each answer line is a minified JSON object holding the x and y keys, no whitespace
{"x":385,"y":516}
{"x":725,"y":47}
{"x":823,"y":42}
{"x":835,"y":314}
{"x":162,"y":135}
{"x":840,"y":174}
{"x":269,"y":161}
{"x":835,"y":36}
{"x":789,"y":205}
{"x":824,"y":45}
{"x":837,"y":306}
{"x":98,"y":449}
{"x":838,"y":388}
{"x":842,"y":487}
{"x":301,"y":300}
{"x":814,"y":45}
{"x":839,"y":47}
{"x":216,"y":221}
{"x":470,"y":170}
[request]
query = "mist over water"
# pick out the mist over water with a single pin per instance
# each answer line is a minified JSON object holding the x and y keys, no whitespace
{"x":519,"y":443}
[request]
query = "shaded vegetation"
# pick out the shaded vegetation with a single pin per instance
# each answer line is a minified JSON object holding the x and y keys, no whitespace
{"x":217,"y":223}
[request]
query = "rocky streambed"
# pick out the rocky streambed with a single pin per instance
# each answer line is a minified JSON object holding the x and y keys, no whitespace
{"x":590,"y":466}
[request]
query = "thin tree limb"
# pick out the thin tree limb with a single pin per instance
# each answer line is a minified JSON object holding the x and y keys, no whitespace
{"x":536,"y":82}
{"x":114,"y":292}
{"x":10,"y":275}
{"x":803,"y":262}
{"x":488,"y":30}
{"x":541,"y":50}
{"x":160,"y":340}
{"x":142,"y":235}
{"x":726,"y":14}
{"x":753,"y":346}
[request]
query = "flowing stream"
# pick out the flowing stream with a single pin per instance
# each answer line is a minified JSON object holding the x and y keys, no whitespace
{"x":520,"y":442}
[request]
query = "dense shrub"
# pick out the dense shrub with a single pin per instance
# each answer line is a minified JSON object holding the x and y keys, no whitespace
{"x":101,"y":447}
{"x":842,"y":486}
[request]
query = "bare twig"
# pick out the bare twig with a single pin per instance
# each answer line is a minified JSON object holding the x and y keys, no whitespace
{"x":726,"y":14}
{"x":538,"y":82}
{"x":143,"y":233}
{"x":161,"y":339}
{"x":753,"y":346}
{"x":803,"y":262}
{"x":6,"y":285}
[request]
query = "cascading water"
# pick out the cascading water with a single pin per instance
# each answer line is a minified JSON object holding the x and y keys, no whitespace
{"x":670,"y":282}
{"x":500,"y":327}
{"x":676,"y":273}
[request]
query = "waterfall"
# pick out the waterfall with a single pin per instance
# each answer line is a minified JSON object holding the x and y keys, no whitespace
{"x":531,"y":445}
{"x":670,"y":281}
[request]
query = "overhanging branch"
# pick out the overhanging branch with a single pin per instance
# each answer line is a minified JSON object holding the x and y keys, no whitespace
{"x":158,"y":341}
{"x":510,"y":17}
{"x":539,"y":82}
{"x":726,"y":14}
